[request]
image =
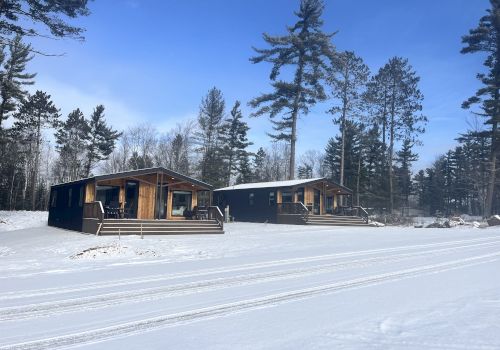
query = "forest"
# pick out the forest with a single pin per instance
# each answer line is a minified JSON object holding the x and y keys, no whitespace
{"x":379,"y":114}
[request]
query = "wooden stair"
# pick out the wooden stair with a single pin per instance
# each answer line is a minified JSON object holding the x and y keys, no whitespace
{"x":335,"y":220}
{"x":159,"y":227}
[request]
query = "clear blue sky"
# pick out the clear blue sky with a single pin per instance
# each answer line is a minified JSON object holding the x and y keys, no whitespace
{"x":152,"y":61}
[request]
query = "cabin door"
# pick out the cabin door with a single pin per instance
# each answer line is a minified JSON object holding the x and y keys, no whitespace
{"x":161,"y":202}
{"x":131,"y":199}
{"x":317,"y":198}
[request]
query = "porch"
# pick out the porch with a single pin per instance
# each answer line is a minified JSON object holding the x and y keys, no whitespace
{"x":145,"y":201}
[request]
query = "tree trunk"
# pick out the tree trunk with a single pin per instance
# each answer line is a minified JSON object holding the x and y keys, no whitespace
{"x":358,"y":180}
{"x":36,"y":165}
{"x":490,"y":193}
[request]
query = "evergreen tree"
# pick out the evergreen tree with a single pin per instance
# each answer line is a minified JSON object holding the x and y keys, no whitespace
{"x":486,"y":39}
{"x":26,"y":18}
{"x":305,"y":49}
{"x":208,"y":136}
{"x":405,"y":157}
{"x":234,"y":141}
{"x":397,"y":102}
{"x":245,"y":170}
{"x":305,"y":171}
{"x":259,"y":166}
{"x":71,"y":140}
{"x":347,"y":77}
{"x":101,"y":141}
{"x":13,"y":77}
{"x":36,"y":113}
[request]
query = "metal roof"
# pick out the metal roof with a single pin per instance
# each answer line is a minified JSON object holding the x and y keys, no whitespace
{"x":141,"y":172}
{"x":284,"y":183}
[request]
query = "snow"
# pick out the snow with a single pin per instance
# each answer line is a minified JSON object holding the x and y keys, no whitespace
{"x":15,"y":220}
{"x":259,"y":286}
{"x":271,"y":184}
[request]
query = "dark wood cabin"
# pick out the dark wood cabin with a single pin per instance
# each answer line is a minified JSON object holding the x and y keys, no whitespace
{"x":265,"y":201}
{"x":146,"y":194}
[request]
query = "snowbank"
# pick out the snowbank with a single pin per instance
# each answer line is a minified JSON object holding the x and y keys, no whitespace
{"x":17,"y":220}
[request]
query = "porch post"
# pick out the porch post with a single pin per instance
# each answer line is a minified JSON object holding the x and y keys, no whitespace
{"x":324,"y":197}
{"x":157,"y":202}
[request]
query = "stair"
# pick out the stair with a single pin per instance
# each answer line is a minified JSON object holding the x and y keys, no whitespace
{"x":335,"y":220}
{"x":159,"y":227}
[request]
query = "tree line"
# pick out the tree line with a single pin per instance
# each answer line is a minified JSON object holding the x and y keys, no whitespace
{"x":379,"y":118}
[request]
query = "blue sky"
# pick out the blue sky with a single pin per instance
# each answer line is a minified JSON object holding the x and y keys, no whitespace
{"x":152,"y":61}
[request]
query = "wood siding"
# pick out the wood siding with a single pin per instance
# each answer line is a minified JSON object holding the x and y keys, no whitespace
{"x":90,"y":192}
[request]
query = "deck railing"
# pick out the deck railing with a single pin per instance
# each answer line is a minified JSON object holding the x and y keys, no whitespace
{"x":293,"y":208}
{"x":214,"y":213}
{"x":94,"y":210}
{"x":355,"y":210}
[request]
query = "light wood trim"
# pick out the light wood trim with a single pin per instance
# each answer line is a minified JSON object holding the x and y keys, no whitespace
{"x":90,"y":192}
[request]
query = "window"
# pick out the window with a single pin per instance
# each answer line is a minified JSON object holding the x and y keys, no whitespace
{"x":203,"y":198}
{"x":287,"y":197}
{"x":80,"y":199}
{"x":300,"y":195}
{"x":272,"y":198}
{"x":53,"y":201}
{"x":251,"y":198}
{"x":70,"y":197}
{"x":181,"y":201}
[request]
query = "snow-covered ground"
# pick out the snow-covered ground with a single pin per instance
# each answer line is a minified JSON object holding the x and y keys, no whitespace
{"x":259,"y":286}
{"x":16,"y":220}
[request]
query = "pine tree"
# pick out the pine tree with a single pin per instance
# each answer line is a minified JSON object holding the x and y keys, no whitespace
{"x":347,"y":77}
{"x":486,"y":39}
{"x":13,"y":77}
{"x":36,"y":113}
{"x":234,"y":141}
{"x":245,"y":170}
{"x":259,"y":166}
{"x":405,"y":157}
{"x":397,"y":102}
{"x":210,"y":119}
{"x":305,"y":49}
{"x":71,"y":140}
{"x":27,"y":18}
{"x":101,"y":141}
{"x":305,"y":171}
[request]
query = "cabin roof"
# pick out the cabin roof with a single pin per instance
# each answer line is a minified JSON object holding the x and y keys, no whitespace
{"x":285,"y":183}
{"x":139,"y":172}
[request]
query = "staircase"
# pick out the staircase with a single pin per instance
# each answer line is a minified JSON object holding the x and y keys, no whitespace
{"x":336,"y":220}
{"x":159,"y":227}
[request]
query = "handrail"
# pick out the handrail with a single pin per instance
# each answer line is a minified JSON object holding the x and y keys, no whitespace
{"x":215,"y":213}
{"x":94,"y":210}
{"x":293,"y":208}
{"x":361,"y":212}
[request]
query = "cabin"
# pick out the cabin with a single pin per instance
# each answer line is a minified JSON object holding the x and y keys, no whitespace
{"x":302,"y":201}
{"x":153,"y":200}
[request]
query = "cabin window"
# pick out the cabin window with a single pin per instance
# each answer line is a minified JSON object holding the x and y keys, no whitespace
{"x":70,"y":197}
{"x":80,"y":198}
{"x":300,"y":195}
{"x":53,"y":202}
{"x":251,"y":199}
{"x":203,"y":198}
{"x":287,"y":197}
{"x":272,"y":198}
{"x":181,"y":201}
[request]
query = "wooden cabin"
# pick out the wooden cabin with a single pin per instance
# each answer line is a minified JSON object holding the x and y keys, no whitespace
{"x":281,"y":201}
{"x":142,"y":195}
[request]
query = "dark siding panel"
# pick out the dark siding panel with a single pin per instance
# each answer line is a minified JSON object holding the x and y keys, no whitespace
{"x":62,"y":215}
{"x":240,"y":208}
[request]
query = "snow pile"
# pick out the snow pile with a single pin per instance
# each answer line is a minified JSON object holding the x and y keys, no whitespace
{"x":111,"y":251}
{"x":17,"y":220}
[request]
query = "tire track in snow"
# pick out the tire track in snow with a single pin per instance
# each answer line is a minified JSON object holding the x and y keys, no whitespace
{"x":169,"y":320}
{"x":235,"y":268}
{"x":45,"y":309}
